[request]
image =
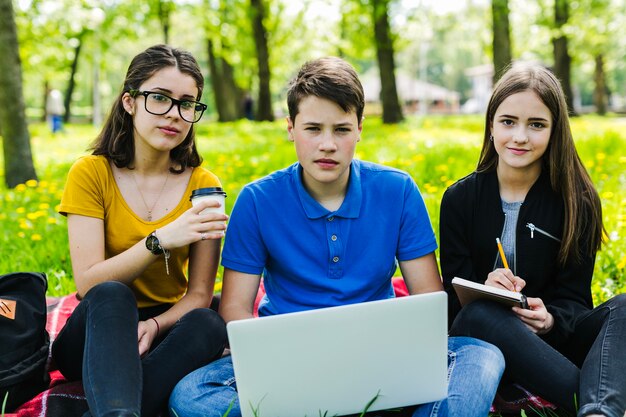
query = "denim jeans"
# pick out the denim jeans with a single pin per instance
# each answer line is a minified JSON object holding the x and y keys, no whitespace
{"x":99,"y":344}
{"x":211,"y":390}
{"x":588,"y":370}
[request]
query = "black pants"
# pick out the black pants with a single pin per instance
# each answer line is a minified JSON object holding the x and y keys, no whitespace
{"x":587,"y":373}
{"x":99,"y":345}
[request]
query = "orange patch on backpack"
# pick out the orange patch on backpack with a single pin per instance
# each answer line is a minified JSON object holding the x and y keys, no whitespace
{"x":7,"y":308}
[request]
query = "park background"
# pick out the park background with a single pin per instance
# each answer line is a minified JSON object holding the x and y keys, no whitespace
{"x":427,"y":67}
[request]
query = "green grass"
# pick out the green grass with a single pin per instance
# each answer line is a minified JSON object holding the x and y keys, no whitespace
{"x":435,"y":150}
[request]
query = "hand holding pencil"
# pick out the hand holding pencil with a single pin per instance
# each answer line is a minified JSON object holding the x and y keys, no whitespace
{"x":504,"y":278}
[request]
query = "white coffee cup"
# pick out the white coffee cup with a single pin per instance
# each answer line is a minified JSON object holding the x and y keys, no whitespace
{"x":212,"y":194}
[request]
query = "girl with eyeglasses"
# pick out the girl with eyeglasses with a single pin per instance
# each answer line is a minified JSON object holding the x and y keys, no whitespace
{"x":144,"y":260}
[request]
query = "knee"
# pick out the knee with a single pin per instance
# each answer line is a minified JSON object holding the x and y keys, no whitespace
{"x":476,"y":317}
{"x":618,"y":303}
{"x":111,"y":291}
{"x":208,"y":392}
{"x":488,"y":359}
{"x":211,"y":324}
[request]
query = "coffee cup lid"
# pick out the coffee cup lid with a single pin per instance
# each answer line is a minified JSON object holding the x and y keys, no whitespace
{"x":207,"y":191}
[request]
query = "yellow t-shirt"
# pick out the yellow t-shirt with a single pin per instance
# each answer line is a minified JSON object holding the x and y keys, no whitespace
{"x":91,"y":191}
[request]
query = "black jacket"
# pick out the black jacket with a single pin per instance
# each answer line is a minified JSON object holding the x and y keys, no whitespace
{"x":472,"y":219}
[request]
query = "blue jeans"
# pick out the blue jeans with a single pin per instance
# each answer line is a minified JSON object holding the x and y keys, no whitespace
{"x":99,"y":345}
{"x":589,"y":369}
{"x":474,"y":371}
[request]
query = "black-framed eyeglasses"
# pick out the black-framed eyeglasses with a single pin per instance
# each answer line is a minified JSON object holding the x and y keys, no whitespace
{"x":159,"y":104}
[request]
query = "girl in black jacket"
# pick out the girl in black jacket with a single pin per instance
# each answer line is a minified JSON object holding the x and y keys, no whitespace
{"x":531,"y":190}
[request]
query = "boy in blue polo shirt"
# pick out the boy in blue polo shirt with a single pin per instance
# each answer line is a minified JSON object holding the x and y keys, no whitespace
{"x":330,"y":230}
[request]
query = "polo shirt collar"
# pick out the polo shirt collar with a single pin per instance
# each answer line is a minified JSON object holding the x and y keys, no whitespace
{"x":351,"y":206}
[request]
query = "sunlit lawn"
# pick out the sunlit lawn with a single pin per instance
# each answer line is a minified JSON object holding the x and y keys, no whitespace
{"x":435,"y":150}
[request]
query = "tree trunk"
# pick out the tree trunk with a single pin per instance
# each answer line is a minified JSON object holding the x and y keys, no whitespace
{"x":562,"y":60}
{"x":228,"y":96}
{"x":502,"y":55}
{"x":392,"y":111}
{"x":72,"y":82}
{"x":165,"y":8}
{"x":599,"y":91}
{"x":216,"y":82}
{"x":18,"y":159}
{"x":264,"y":103}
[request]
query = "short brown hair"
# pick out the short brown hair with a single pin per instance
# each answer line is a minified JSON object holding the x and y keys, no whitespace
{"x":330,"y":78}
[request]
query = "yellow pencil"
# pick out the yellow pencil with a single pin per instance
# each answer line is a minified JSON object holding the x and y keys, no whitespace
{"x":504,"y":262}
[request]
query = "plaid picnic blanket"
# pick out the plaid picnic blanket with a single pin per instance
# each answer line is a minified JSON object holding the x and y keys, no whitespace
{"x":67,"y":399}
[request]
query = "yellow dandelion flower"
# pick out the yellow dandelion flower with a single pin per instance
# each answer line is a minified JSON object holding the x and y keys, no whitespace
{"x":32,"y":216}
{"x":218,"y":287}
{"x":607,"y":195}
{"x":43,"y":184}
{"x":44,"y":206}
{"x":31,"y":183}
{"x":600,"y":156}
{"x":20,"y":187}
{"x":20,"y":210}
{"x":622,"y":159}
{"x":622,"y":263}
{"x":36,"y":237}
{"x":51,"y":220}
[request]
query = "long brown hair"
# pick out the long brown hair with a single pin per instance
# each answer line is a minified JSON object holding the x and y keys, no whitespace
{"x":115,"y":141}
{"x":568,"y":176}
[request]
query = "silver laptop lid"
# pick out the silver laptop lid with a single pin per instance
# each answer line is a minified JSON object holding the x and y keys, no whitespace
{"x":338,"y":359}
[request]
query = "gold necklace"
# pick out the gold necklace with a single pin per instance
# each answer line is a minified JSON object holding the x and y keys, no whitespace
{"x":149,"y":209}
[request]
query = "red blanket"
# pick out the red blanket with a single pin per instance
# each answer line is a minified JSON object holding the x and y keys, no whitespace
{"x":67,"y":399}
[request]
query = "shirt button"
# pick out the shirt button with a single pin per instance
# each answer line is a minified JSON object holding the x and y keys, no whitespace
{"x":333,"y":238}
{"x":336,"y":259}
{"x":330,"y":219}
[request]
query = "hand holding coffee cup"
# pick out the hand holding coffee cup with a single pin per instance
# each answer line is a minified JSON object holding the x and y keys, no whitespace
{"x":215,"y":194}
{"x":210,"y":194}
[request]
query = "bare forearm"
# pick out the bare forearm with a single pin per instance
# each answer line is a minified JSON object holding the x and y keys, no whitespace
{"x":124,"y":267}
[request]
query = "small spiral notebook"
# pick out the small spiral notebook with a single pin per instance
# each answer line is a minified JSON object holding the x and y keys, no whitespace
{"x":469,"y":291}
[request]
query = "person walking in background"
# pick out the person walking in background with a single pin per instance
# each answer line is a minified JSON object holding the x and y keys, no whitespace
{"x":531,"y":190}
{"x":330,"y":230}
{"x":248,"y":106}
{"x":55,"y":110}
{"x":144,"y":260}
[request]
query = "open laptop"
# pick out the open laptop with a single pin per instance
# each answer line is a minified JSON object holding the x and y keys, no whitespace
{"x":334,"y":361}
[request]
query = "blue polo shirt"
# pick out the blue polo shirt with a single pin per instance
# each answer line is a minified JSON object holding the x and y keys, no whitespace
{"x":311,"y":257}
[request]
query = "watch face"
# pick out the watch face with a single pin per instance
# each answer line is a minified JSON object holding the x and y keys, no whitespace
{"x":152,"y":243}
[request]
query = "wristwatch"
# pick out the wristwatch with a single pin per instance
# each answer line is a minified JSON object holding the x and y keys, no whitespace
{"x":153,"y":245}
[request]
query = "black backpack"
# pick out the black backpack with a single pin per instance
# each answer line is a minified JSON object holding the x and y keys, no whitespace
{"x":24,"y":340}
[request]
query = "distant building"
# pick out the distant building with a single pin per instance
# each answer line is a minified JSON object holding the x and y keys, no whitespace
{"x":416,"y":96}
{"x":481,"y":78}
